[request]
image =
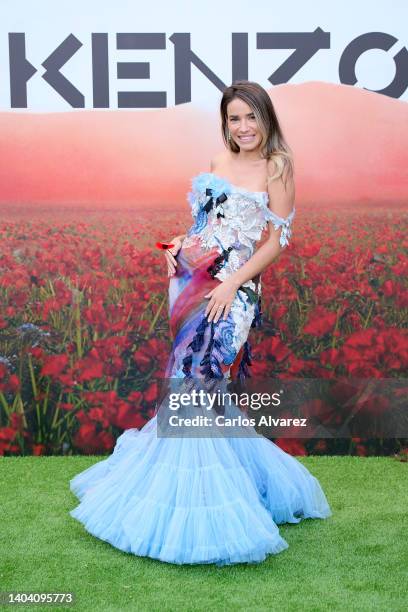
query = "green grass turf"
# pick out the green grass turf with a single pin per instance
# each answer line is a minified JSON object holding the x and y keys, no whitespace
{"x":355,"y":560}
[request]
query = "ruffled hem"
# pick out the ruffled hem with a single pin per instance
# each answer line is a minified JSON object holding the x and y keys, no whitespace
{"x":190,"y":501}
{"x":287,"y":489}
{"x":186,"y":535}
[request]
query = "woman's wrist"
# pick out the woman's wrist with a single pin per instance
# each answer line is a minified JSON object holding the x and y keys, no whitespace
{"x":181,"y":237}
{"x":234,"y":282}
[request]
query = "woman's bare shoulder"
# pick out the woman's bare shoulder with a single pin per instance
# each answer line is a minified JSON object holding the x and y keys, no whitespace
{"x":218,"y":159}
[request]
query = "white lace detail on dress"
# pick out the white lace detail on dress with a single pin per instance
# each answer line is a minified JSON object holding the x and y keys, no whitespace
{"x":228,"y":216}
{"x":284,"y":223}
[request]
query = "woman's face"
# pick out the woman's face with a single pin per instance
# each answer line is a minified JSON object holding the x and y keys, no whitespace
{"x":243,"y":126}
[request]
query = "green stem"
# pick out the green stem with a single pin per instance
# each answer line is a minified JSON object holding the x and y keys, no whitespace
{"x":45,"y":404}
{"x":56,"y":413}
{"x":336,"y":328}
{"x":37,"y":406}
{"x":78,"y":330}
{"x":5,"y":404}
{"x":368,"y":316}
{"x":156,"y":316}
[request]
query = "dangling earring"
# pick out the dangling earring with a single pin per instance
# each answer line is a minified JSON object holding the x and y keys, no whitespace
{"x":229,"y":136}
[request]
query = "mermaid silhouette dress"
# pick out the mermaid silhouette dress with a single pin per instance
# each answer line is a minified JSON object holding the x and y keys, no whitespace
{"x":212,"y":499}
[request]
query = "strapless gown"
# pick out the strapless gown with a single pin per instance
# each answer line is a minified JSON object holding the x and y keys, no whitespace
{"x":217,"y":498}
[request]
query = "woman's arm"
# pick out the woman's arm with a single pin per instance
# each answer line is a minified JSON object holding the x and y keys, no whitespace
{"x":181,"y":237}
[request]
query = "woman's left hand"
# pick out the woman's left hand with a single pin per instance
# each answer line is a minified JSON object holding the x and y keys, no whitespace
{"x":221,"y":299}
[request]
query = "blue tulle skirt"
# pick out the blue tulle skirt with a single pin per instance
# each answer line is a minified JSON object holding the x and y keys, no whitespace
{"x":196,"y":500}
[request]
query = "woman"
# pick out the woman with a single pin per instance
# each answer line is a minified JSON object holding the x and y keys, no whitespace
{"x":212,"y":498}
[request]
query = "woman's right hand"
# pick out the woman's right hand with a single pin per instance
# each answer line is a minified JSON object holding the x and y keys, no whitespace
{"x":171,"y":253}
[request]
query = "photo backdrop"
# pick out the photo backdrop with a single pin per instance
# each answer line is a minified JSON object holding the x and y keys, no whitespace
{"x":107,"y":111}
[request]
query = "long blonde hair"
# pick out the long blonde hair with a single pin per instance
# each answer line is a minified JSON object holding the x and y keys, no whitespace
{"x":273,"y":144}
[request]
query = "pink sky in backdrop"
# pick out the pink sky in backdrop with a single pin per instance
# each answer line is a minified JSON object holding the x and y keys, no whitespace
{"x":350,"y":146}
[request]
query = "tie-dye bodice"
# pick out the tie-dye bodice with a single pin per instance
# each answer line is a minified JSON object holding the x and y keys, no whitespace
{"x":231,"y":219}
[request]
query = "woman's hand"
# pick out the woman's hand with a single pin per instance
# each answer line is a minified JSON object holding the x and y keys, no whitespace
{"x":221,"y":299}
{"x":171,"y":253}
